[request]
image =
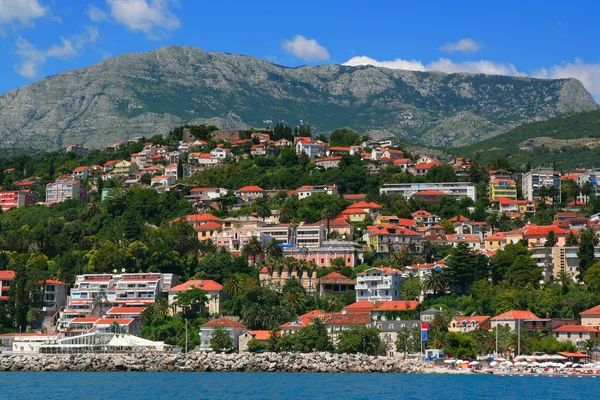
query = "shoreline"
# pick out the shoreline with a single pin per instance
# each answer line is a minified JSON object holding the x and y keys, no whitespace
{"x":217,"y":362}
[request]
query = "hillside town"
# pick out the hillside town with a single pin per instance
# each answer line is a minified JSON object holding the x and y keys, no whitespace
{"x":436,"y":257}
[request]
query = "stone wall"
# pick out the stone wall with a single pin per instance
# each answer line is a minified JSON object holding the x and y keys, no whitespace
{"x":217,"y":362}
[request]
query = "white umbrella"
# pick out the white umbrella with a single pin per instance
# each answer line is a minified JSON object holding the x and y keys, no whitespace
{"x":558,"y":357}
{"x":449,"y":361}
{"x":493,"y":364}
{"x":520,"y":358}
{"x":547,"y":357}
{"x":576,"y":365}
{"x":474,"y":363}
{"x":459,"y":361}
{"x":535,"y":364}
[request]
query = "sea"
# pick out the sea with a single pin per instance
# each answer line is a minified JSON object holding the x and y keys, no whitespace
{"x":245,"y":385}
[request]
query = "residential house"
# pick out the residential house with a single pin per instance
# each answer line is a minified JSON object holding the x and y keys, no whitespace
{"x":311,"y":148}
{"x":234,"y":240}
{"x":577,"y":334}
{"x":469,"y":324}
{"x":378,"y":284}
{"x":233,"y":328}
{"x":171,"y":170}
{"x":202,"y":159}
{"x":250,"y":193}
{"x":421,"y":169}
{"x":306,"y":190}
{"x":79,"y":149}
{"x":334,"y":284}
{"x":6,"y":279}
{"x":425,"y":218}
{"x":328,"y":162}
{"x":337,"y":323}
{"x":81,"y":173}
{"x":135,"y":289}
{"x":275,"y":279}
{"x":430,"y":314}
{"x":220,"y":153}
{"x":385,"y":239}
{"x":405,"y":163}
{"x":513,"y":319}
{"x":207,"y":193}
{"x":591,"y":317}
{"x":301,"y":321}
{"x":162,"y":180}
{"x":457,"y":190}
{"x":394,"y":309}
{"x":258,"y":150}
{"x":63,"y":190}
{"x":263,"y":336}
{"x":214,"y":292}
{"x":502,"y":187}
{"x":125,"y":168}
{"x":16,"y":199}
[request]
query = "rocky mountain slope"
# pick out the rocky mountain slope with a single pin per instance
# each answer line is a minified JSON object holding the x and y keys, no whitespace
{"x":149,"y":93}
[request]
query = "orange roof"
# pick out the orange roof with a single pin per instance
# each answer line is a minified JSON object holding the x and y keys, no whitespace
{"x":459,"y":218}
{"x":334,"y":275}
{"x":576,"y":328}
{"x":80,"y":169}
{"x":89,"y":320}
{"x":462,"y":238}
{"x":592,"y":311}
{"x":112,"y":162}
{"x":349,"y":318}
{"x":260,"y":335}
{"x":334,"y":158}
{"x":250,"y":189}
{"x":110,"y":321}
{"x":478,"y":319}
{"x":396,"y":305}
{"x":208,"y":226}
{"x":427,"y":165}
{"x":6,"y":275}
{"x":360,"y":305}
{"x":126,"y":310}
{"x":202,"y":217}
{"x":402,"y":161}
{"x":430,"y":193}
{"x":544,"y":230}
{"x":575,"y":355}
{"x":364,"y":204}
{"x":515,"y":315}
{"x":53,"y":282}
{"x":339,"y":148}
{"x":303,"y":320}
{"x":204,"y":284}
{"x":224,"y":322}
{"x":421,"y":213}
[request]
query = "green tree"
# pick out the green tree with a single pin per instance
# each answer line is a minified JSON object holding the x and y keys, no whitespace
{"x":221,"y":340}
{"x":408,"y":340}
{"x":273,"y":249}
{"x":256,"y":346}
{"x":551,"y":240}
{"x":459,"y":345}
{"x":360,"y":339}
{"x":435,"y":282}
{"x":592,"y":278}
{"x":253,"y":249}
{"x":312,"y":338}
{"x":33,"y":317}
{"x":571,"y":239}
{"x":464,"y":267}
{"x":587,"y":242}
{"x":524,"y":271}
{"x":411,"y":287}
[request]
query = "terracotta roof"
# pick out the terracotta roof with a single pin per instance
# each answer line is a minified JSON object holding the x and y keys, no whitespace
{"x":351,"y":318}
{"x":205,"y":284}
{"x":430,"y":193}
{"x":544,"y":230}
{"x":515,"y":315}
{"x":339,"y":148}
{"x":126,"y":310}
{"x":80,"y":169}
{"x":208,"y":226}
{"x":260,"y":335}
{"x":225,"y":322}
{"x":592,"y":311}
{"x":303,"y":320}
{"x":250,"y":189}
{"x":323,"y":159}
{"x":421,"y":213}
{"x":89,"y":320}
{"x":202,"y":217}
{"x":462,"y":238}
{"x":110,"y":321}
{"x":396,"y":305}
{"x":6,"y":275}
{"x":575,"y":355}
{"x":334,"y":275}
{"x":364,"y":204}
{"x":576,"y":328}
{"x":360,"y":305}
{"x":478,"y":319}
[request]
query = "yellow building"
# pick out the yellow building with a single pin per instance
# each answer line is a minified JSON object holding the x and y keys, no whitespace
{"x":503,"y":187}
{"x":590,"y":317}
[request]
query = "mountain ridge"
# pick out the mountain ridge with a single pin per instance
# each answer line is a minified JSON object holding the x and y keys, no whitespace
{"x":149,"y":93}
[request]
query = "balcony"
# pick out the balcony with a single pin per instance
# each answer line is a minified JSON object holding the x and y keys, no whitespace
{"x":370,"y":278}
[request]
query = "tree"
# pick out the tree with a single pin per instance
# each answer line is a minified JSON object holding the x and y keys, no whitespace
{"x":448,"y":226}
{"x":262,"y":207}
{"x":564,"y":278}
{"x":571,"y":239}
{"x":33,"y":317}
{"x":253,"y":249}
{"x":360,"y":339}
{"x":99,"y":301}
{"x":329,"y":213}
{"x":435,"y":281}
{"x":221,"y":340}
{"x":194,"y":297}
{"x":411,"y":287}
{"x":408,"y":340}
{"x":523,"y":271}
{"x":429,"y":251}
{"x":592,"y":278}
{"x":587,"y":242}
{"x":233,"y":285}
{"x":464,"y":267}
{"x":459,"y":345}
{"x":286,"y":215}
{"x":273,"y":249}
{"x":256,"y":346}
{"x":551,"y":240}
{"x":313,"y":337}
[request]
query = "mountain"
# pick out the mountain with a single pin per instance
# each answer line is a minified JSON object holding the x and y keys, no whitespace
{"x":149,"y":93}
{"x":570,"y":141}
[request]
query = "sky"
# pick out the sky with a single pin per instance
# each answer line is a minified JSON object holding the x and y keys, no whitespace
{"x":545,"y":39}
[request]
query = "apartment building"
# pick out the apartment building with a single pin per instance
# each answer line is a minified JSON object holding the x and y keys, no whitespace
{"x":6,"y":279}
{"x":63,"y":190}
{"x":378,"y":284}
{"x":16,"y":199}
{"x":306,"y":190}
{"x":457,"y":190}
{"x":136,"y":289}
{"x":539,"y":177}
{"x":503,"y":187}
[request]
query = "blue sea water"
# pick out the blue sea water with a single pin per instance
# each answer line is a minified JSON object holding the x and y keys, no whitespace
{"x":160,"y":385}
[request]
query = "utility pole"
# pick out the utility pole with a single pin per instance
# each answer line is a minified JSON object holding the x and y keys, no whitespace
{"x":519,"y":339}
{"x":496,"y":340}
{"x":186,"y":336}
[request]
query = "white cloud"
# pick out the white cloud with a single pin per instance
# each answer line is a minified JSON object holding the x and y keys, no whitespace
{"x":33,"y":58}
{"x":23,"y":11}
{"x":153,"y":17}
{"x":398,"y":63}
{"x":466,"y":45}
{"x":306,"y":49}
{"x":96,"y":14}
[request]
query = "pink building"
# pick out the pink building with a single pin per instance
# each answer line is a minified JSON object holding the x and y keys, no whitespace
{"x":16,"y":199}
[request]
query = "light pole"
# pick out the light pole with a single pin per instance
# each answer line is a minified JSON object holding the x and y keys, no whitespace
{"x":186,"y":336}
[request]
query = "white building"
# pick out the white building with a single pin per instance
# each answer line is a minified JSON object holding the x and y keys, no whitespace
{"x":536,"y":178}
{"x":234,"y":328}
{"x":64,"y":190}
{"x":311,"y":148}
{"x":577,"y":333}
{"x":378,"y":284}
{"x":212,"y":289}
{"x":306,"y":190}
{"x":136,"y":289}
{"x":457,"y":190}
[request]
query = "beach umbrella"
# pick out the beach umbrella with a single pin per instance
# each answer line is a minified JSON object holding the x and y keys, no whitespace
{"x":558,"y":357}
{"x":459,"y":361}
{"x":535,"y":364}
{"x":493,"y":363}
{"x":474,"y":363}
{"x":449,"y":361}
{"x":568,"y":363}
{"x":576,"y":365}
{"x":520,"y":358}
{"x":547,"y":357}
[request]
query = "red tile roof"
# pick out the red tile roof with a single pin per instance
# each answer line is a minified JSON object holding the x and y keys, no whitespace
{"x":250,"y":189}
{"x":89,"y":320}
{"x":364,"y":204}
{"x":515,"y":315}
{"x":7,"y":275}
{"x":110,"y":321}
{"x":430,"y":193}
{"x":205,"y":284}
{"x":575,"y":355}
{"x":303,"y":320}
{"x":225,"y":322}
{"x":350,"y":318}
{"x":334,"y":275}
{"x":260,"y":335}
{"x":478,"y":319}
{"x":396,"y":305}
{"x":360,"y":305}
{"x":126,"y":310}
{"x":576,"y":328}
{"x":591,"y":312}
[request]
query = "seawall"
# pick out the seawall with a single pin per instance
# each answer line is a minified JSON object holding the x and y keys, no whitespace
{"x":212,"y":362}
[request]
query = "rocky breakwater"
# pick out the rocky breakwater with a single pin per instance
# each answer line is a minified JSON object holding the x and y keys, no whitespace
{"x":212,"y":362}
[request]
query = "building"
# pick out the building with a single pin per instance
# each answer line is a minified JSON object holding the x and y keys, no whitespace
{"x":262,"y":336}
{"x":234,"y":328}
{"x":392,"y":310}
{"x":136,"y":289}
{"x":81,"y":173}
{"x":213,"y":291}
{"x":457,"y":190}
{"x":425,"y":218}
{"x":228,"y":135}
{"x":537,"y":178}
{"x":577,"y":333}
{"x":301,"y":321}
{"x":79,"y":149}
{"x":336,"y":323}
{"x":591,"y":317}
{"x":328,"y":162}
{"x":323,"y":253}
{"x":162,"y":180}
{"x":513,"y":319}
{"x":386,"y":239}
{"x":305,"y":145}
{"x":54,"y":297}
{"x":250,"y":193}
{"x":334,"y":284}
{"x":16,"y":199}
{"x":468,"y":324}
{"x":378,"y":284}
{"x":6,"y":279}
{"x":502,"y":187}
{"x":306,"y":190}
{"x":63,"y":190}
{"x":430,"y":314}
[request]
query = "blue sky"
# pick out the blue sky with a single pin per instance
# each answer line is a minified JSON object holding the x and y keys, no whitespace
{"x":553,"y":39}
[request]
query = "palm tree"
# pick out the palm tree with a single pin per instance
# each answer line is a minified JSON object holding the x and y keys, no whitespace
{"x":564,"y":278}
{"x":33,"y":317}
{"x":233,"y":285}
{"x":273,"y":249}
{"x":399,"y":257}
{"x":329,"y":213}
{"x":435,"y":282}
{"x":553,"y":193}
{"x":493,"y":222}
{"x":253,"y":249}
{"x":429,"y":251}
{"x":263,"y":211}
{"x":99,"y":300}
{"x":586,"y":189}
{"x":293,"y":285}
{"x":286,"y":216}
{"x":161,"y":308}
{"x":208,"y":247}
{"x":589,"y":346}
